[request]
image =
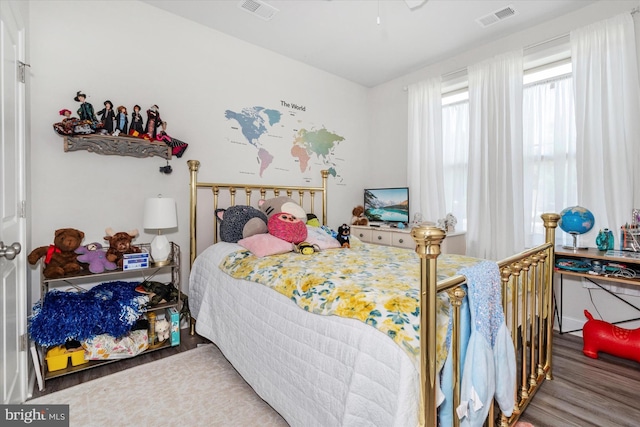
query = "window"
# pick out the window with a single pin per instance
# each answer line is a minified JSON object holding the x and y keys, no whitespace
{"x":455,"y":150}
{"x":548,"y":136}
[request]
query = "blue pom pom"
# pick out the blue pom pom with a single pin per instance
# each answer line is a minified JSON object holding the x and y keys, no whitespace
{"x":109,"y":308}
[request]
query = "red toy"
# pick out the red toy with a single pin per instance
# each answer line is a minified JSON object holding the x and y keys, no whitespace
{"x":603,"y":336}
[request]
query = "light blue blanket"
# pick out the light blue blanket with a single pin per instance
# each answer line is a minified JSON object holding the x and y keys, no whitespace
{"x":487,"y":352}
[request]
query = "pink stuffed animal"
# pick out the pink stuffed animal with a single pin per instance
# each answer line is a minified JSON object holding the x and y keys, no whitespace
{"x":287,"y":227}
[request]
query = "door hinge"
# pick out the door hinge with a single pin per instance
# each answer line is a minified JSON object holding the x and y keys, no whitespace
{"x":22,"y":71}
{"x":24,"y":342}
{"x":23,"y":209}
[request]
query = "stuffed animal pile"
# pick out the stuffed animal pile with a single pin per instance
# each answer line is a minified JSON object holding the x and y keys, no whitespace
{"x":279,"y":217}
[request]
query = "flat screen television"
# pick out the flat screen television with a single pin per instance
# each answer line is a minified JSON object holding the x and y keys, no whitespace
{"x":387,"y":204}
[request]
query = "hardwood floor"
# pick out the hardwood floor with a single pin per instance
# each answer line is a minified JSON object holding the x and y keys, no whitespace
{"x":585,"y":392}
{"x":603,"y":392}
{"x":187,"y":342}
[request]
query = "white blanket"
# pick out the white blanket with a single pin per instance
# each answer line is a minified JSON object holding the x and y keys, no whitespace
{"x":314,"y":370}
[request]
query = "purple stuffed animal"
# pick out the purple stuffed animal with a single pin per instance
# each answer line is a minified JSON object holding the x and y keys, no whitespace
{"x":96,"y":257}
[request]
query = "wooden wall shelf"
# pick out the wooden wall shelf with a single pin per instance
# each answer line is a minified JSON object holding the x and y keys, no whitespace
{"x":117,"y":145}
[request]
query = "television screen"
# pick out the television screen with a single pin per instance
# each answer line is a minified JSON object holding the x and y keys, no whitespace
{"x":387,"y":204}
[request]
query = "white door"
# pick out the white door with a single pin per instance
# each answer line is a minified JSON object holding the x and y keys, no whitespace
{"x":13,"y":284}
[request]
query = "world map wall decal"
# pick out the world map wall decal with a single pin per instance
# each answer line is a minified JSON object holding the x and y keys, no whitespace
{"x":282,"y":140}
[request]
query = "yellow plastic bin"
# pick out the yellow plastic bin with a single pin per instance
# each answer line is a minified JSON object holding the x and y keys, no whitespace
{"x":57,"y":358}
{"x":77,"y":357}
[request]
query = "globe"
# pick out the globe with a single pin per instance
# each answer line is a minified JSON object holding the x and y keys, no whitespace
{"x":576,"y":220}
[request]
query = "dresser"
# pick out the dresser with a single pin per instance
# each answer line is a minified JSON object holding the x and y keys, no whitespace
{"x":454,"y":243}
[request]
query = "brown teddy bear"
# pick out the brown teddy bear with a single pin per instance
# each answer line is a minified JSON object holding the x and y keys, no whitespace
{"x":120,"y":244}
{"x":358,"y":217}
{"x":60,"y":257}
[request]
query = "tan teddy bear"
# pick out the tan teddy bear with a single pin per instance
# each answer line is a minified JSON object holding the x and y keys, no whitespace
{"x":358,"y":217}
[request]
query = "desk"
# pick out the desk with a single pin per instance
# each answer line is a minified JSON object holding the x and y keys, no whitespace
{"x":630,"y":259}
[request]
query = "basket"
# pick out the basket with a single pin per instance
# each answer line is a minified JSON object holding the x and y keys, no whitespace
{"x":630,"y":239}
{"x":58,"y":358}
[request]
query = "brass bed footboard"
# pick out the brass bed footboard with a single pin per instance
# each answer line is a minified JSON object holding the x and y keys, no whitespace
{"x":527,"y":292}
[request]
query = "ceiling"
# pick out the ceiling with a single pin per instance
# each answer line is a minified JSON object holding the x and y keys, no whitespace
{"x":343,"y":37}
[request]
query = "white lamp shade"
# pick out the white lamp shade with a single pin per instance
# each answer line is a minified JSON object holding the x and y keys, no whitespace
{"x":160,"y":213}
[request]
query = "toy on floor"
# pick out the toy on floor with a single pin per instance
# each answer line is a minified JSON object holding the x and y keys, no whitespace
{"x":602,"y":336}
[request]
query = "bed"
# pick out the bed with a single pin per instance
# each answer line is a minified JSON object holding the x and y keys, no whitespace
{"x":307,"y":349}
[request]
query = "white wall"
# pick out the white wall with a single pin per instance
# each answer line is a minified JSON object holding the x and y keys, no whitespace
{"x":132,"y":53}
{"x":389,"y":130}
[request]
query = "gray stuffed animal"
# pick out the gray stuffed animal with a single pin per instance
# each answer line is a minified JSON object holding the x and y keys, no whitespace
{"x":239,"y":222}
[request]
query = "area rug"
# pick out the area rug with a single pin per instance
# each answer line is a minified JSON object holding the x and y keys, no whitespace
{"x":194,"y":388}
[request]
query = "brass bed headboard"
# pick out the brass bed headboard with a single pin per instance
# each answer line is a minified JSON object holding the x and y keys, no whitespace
{"x":306,"y":198}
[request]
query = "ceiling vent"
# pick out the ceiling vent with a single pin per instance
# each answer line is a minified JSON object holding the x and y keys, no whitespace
{"x":497,"y":16}
{"x":258,"y":8}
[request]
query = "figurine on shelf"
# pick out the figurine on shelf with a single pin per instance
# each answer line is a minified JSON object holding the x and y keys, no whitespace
{"x":65,"y":127}
{"x":153,"y":121}
{"x":137,"y":128}
{"x":417,"y":219}
{"x":122,"y":121}
{"x":107,"y":117}
{"x":177,"y":147}
{"x":85,"y":112}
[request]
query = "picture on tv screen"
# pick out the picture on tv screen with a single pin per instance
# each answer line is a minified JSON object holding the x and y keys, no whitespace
{"x":387,"y":204}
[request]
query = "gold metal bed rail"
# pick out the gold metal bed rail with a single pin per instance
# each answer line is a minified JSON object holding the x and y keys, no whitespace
{"x":527,"y":292}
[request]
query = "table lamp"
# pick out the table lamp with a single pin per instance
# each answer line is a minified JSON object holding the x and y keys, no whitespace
{"x":160,"y":214}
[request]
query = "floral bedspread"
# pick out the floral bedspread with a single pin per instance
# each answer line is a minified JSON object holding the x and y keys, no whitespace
{"x":378,"y":285}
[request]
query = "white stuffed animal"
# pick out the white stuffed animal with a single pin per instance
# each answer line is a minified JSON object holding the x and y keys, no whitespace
{"x":162,"y":329}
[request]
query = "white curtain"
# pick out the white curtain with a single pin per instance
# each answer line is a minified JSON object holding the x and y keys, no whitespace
{"x":549,"y":134}
{"x":494,"y":197}
{"x":607,"y":100}
{"x":455,"y":140}
{"x":424,"y":162}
